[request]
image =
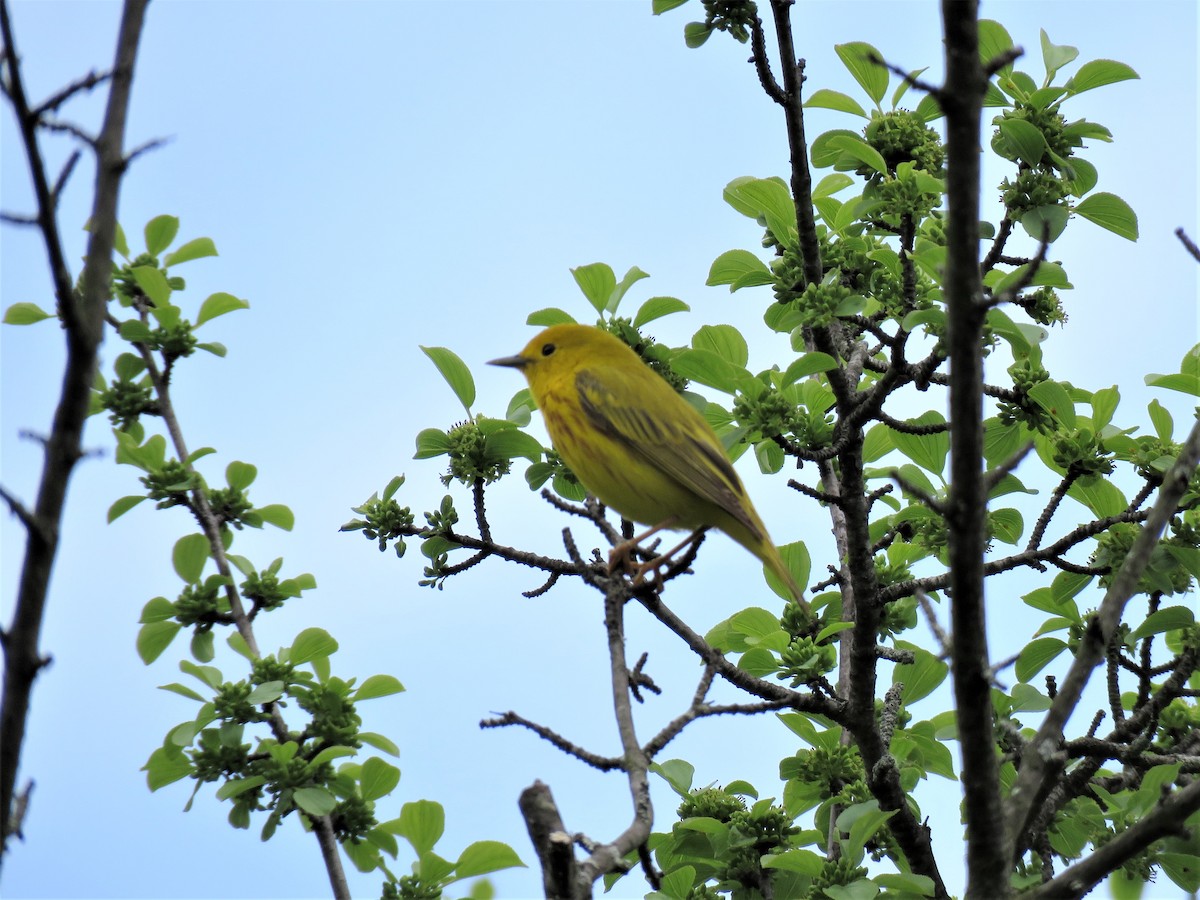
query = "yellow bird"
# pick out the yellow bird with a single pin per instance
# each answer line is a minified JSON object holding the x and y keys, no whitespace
{"x":636,"y":444}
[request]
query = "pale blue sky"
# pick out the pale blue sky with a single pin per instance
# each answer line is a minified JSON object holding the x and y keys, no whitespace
{"x":382,"y":175}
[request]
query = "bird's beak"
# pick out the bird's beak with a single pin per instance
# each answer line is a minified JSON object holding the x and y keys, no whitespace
{"x":515,"y":362}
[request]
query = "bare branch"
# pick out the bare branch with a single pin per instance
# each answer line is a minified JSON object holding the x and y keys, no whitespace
{"x":89,"y":81}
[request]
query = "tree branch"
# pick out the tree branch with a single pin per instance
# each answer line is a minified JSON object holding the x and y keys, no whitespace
{"x":82,"y":316}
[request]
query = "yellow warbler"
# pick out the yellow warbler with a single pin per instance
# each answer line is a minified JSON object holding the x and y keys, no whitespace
{"x":635,"y":443}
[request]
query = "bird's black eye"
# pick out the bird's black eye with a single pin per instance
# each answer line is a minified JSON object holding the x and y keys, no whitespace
{"x":547,"y":349}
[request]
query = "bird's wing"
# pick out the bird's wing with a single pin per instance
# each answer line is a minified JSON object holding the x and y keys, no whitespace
{"x":685,"y":452}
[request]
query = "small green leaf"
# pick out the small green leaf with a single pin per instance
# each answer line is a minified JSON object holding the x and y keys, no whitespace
{"x":832,"y":184}
{"x":483,"y":857}
{"x":432,"y":442}
{"x":25,"y":314}
{"x":1037,"y":655}
{"x":153,"y":283}
{"x":871,"y":76}
{"x":808,"y":364}
{"x":159,"y":233}
{"x":278,"y":515}
{"x":859,"y":150}
{"x":695,"y":34}
{"x":551,"y":315}
{"x":512,"y":443}
{"x":734,"y":265}
{"x":921,"y":677}
{"x":1055,"y":56}
{"x":240,"y":475}
{"x":709,"y":369}
{"x":316,"y":801}
{"x":267,"y":692}
{"x":379,"y":742}
{"x":153,"y":638}
{"x":658,"y":7}
{"x":1164,"y":425}
{"x":122,"y":506}
{"x":1006,"y":525}
{"x":378,"y":779}
{"x":217,"y":305}
{"x":311,"y":644}
{"x":456,"y":373}
{"x":1098,"y":73}
{"x":725,"y":341}
{"x":994,"y":39}
{"x":630,"y":278}
{"x":1110,"y":212}
{"x":378,"y":686}
{"x":166,"y":766}
{"x":421,"y":823}
{"x":928,"y":451}
{"x":193,"y":249}
{"x":678,"y":773}
{"x":656,"y":308}
{"x":1172,"y":618}
{"x":827,"y":99}
{"x":597,"y":281}
{"x":1024,"y":139}
{"x":189,"y":556}
{"x":214,"y":347}
{"x":1053,"y":398}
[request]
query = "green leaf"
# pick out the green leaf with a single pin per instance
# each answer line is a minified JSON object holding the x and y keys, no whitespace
{"x":709,"y":369}
{"x":656,"y":308}
{"x":1055,"y":56}
{"x":877,"y":443}
{"x":551,"y":315}
{"x":678,"y":773}
{"x":1110,"y":212}
{"x":213,"y":347}
{"x":1172,"y":618}
{"x":456,"y":373}
{"x":1099,"y":495}
{"x":378,"y":779}
{"x":630,"y":278}
{"x":1037,"y":655}
{"x":240,"y":475}
{"x":432,"y":442}
{"x":1024,"y":139}
{"x":197,"y":248}
{"x":921,"y":677}
{"x":658,"y":7}
{"x":859,"y":150}
{"x":808,"y":364}
{"x":795,"y":557}
{"x":153,"y":283}
{"x":482,"y":857}
{"x":1104,"y":404}
{"x":189,"y":556}
{"x":695,"y":34}
{"x":311,"y":644}
{"x":1164,"y":425}
{"x":378,"y":686}
{"x":725,"y":341}
{"x":421,"y":823}
{"x":217,"y":305}
{"x":379,"y":742}
{"x":1098,"y":73}
{"x":267,"y":692}
{"x":1053,"y":398}
{"x":155,"y":637}
{"x":316,"y":801}
{"x":122,"y":506}
{"x":994,"y":39}
{"x":25,"y":314}
{"x":831,"y":184}
{"x":202,"y":646}
{"x":1006,"y":524}
{"x":827,"y":99}
{"x":160,"y":231}
{"x":1045,"y":222}
{"x":166,"y":766}
{"x":768,"y":199}
{"x":597,"y":281}
{"x":182,"y":691}
{"x":927,"y":450}
{"x":512,"y":443}
{"x":278,"y":515}
{"x":871,"y":77}
{"x":738,"y":268}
